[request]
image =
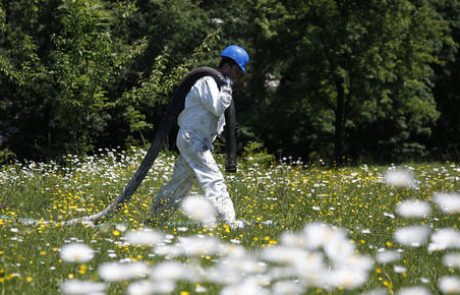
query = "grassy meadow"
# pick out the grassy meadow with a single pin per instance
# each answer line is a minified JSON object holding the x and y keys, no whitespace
{"x":276,"y":201}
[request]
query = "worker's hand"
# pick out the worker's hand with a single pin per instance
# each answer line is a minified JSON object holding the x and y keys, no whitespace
{"x":227,"y":87}
{"x":226,"y":90}
{"x":228,"y":82}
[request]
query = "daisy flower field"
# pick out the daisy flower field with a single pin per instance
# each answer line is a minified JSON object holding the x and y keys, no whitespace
{"x":308,"y":230}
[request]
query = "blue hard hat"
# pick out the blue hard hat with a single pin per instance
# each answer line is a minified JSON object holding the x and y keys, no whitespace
{"x":237,"y":54}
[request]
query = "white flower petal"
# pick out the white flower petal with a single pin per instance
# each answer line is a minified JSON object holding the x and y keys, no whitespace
{"x":448,"y":202}
{"x":399,"y":178}
{"x":413,"y":236}
{"x":145,"y":237}
{"x":76,"y":252}
{"x":413,"y":209}
{"x":199,"y":209}
{"x":114,"y":272}
{"x":78,"y":287}
{"x":449,"y":284}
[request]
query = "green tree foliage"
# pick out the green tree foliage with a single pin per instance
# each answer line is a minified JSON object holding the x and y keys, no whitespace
{"x":145,"y":103}
{"x":58,"y":60}
{"x":445,"y":143}
{"x":343,"y":80}
{"x":355,"y":76}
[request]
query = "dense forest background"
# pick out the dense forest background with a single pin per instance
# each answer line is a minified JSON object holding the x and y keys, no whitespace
{"x":346,"y":81}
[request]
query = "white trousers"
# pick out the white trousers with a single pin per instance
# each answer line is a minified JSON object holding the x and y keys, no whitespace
{"x":194,"y":163}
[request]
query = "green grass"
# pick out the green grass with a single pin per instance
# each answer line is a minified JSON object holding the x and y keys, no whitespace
{"x":290,"y":196}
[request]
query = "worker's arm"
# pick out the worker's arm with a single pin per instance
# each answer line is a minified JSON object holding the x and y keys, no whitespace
{"x":214,"y":100}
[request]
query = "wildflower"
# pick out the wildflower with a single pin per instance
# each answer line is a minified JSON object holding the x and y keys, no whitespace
{"x":413,"y":209}
{"x":320,"y":234}
{"x":77,"y":287}
{"x":387,"y":256}
{"x":223,"y":275}
{"x":312,"y":269}
{"x":247,"y":287}
{"x":347,"y":278}
{"x":399,"y":178}
{"x":357,"y":262}
{"x":286,"y":255}
{"x":199,"y":209}
{"x":244,"y":264}
{"x":389,"y":215}
{"x":200,"y":289}
{"x":417,"y":290}
{"x":376,"y":292}
{"x":425,"y":280}
{"x":339,"y":249}
{"x":113,"y":271}
{"x":400,"y":269}
{"x":149,"y":287}
{"x":444,"y":238}
{"x":448,"y":202}
{"x":168,"y":250}
{"x":290,"y":239}
{"x":76,"y":252}
{"x":286,"y":287}
{"x":451,"y":260}
{"x":82,"y":269}
{"x":171,"y":271}
{"x":449,"y":284}
{"x":198,"y":245}
{"x":121,"y":227}
{"x":146,"y":237}
{"x":413,"y":236}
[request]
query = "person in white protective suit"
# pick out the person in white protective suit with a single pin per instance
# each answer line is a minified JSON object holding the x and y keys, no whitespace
{"x":200,"y":122}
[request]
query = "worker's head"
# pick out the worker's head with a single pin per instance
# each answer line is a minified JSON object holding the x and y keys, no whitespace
{"x":234,"y":59}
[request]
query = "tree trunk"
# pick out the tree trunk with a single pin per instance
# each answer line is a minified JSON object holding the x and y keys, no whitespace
{"x":339,"y":122}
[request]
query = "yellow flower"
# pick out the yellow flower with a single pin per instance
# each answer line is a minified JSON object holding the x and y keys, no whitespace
{"x":83,"y":269}
{"x":388,"y":284}
{"x":272,"y":242}
{"x":226,"y":228}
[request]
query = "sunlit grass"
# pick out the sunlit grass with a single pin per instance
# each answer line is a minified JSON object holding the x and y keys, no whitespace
{"x":273,"y":200}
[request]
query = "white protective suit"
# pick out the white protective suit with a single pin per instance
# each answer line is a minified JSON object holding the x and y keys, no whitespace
{"x":200,"y":122}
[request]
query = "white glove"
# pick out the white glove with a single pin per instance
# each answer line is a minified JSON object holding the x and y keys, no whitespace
{"x":227,"y":87}
{"x":226,"y":90}
{"x":228,"y":82}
